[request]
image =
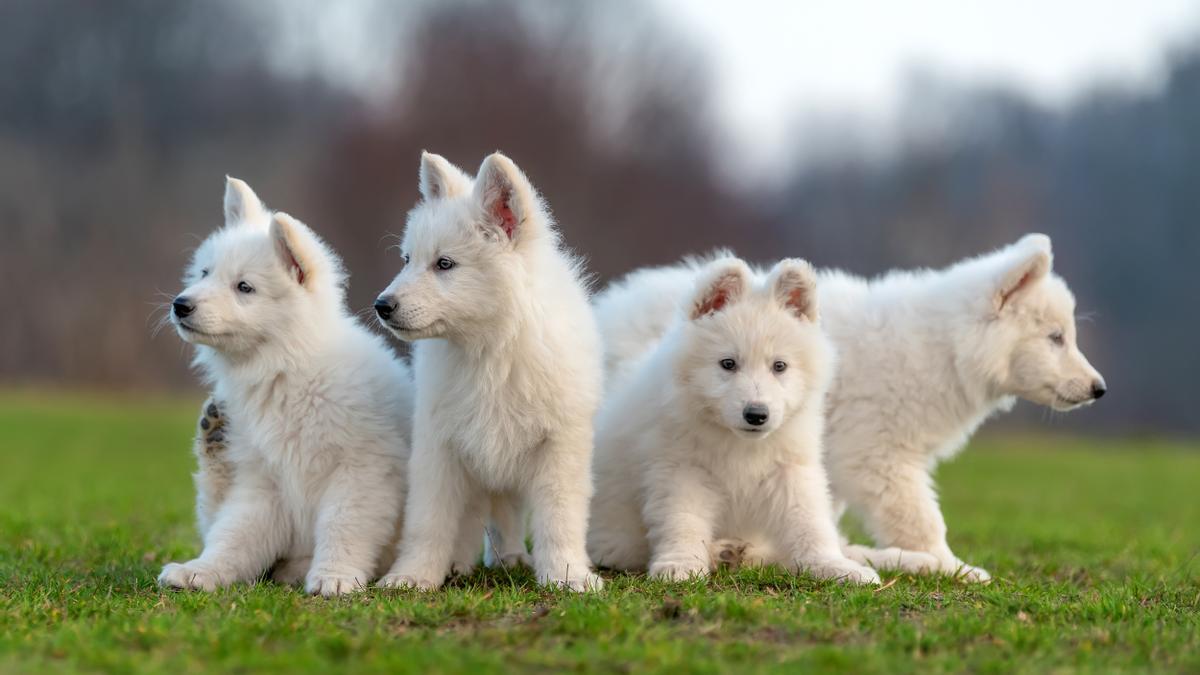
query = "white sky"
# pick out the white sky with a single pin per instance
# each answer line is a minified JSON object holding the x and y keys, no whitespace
{"x":779,"y":60}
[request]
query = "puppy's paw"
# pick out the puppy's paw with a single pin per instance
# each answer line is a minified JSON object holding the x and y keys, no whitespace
{"x":402,"y":580}
{"x":969,"y":573}
{"x":211,"y":428}
{"x":892,"y":558}
{"x":840,"y":569}
{"x":573,"y":581}
{"x":674,"y":570}
{"x":729,"y":553}
{"x":189,"y":576}
{"x":331,"y":583}
{"x":462,"y":568}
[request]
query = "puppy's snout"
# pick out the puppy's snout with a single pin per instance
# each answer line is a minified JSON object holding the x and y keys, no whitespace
{"x":182,"y":306}
{"x":385,"y":307}
{"x":756,"y":414}
{"x":1098,"y":388}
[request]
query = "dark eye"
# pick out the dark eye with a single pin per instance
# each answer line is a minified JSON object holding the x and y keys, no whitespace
{"x":779,"y":366}
{"x":244,"y":287}
{"x":405,"y":258}
{"x":203,"y":273}
{"x":1057,"y":338}
{"x":445,"y":264}
{"x":729,"y":364}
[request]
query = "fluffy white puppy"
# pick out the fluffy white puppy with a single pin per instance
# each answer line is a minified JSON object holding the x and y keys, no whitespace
{"x":507,"y":363}
{"x":716,"y":432}
{"x":313,"y":469}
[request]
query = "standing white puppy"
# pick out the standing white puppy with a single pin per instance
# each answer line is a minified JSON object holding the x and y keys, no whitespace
{"x":312,"y":471}
{"x":507,"y":363}
{"x":716,"y":432}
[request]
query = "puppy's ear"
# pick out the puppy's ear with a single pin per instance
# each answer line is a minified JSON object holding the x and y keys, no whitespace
{"x":441,"y":179}
{"x":720,"y":284}
{"x":241,"y":204}
{"x":1029,"y":261}
{"x":298,"y":249}
{"x":505,"y":195}
{"x":793,"y":283}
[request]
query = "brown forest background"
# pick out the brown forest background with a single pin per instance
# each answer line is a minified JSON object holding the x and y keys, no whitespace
{"x":118,"y":121}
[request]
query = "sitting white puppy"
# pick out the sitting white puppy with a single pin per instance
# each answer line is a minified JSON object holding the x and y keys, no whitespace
{"x":507,"y":363}
{"x":716,"y":433}
{"x":312,"y":472}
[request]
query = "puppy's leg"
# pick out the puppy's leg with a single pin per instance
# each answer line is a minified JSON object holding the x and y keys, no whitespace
{"x":558,"y":495}
{"x":470,"y":535}
{"x":291,"y":571}
{"x":247,"y":536}
{"x":214,"y":470}
{"x":504,"y":540}
{"x":355,"y":521}
{"x":904,"y":518}
{"x":439,"y":489}
{"x":680,"y":513}
{"x":797,"y":507}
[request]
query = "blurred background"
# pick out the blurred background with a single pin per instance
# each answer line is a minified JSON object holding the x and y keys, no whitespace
{"x":852,"y":134}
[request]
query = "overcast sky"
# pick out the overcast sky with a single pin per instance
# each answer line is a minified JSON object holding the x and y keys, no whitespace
{"x":776,"y":60}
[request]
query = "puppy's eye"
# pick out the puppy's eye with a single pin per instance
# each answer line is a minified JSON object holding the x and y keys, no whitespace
{"x":779,"y":366}
{"x":1056,"y":338}
{"x":444,"y":264}
{"x":203,"y":273}
{"x":405,"y":258}
{"x":244,"y":287}
{"x":729,"y":364}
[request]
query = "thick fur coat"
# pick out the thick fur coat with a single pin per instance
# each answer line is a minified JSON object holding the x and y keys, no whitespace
{"x":508,"y":372}
{"x":715,"y":432}
{"x":312,"y":469}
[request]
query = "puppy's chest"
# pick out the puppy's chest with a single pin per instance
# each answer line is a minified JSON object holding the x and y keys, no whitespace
{"x":496,"y":431}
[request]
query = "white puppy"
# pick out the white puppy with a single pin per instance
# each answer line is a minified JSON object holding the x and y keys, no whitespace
{"x":315,"y":460}
{"x":716,"y":432}
{"x":924,"y":358}
{"x":507,"y":363}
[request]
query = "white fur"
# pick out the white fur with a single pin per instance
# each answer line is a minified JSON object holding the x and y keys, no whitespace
{"x":321,"y":410}
{"x":680,"y":461}
{"x":507,"y":363}
{"x":925,"y":357}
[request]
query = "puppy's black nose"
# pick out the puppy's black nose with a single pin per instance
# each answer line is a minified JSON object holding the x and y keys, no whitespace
{"x":1098,"y":388}
{"x":182,"y":306}
{"x":384,"y":308}
{"x":756,"y":414}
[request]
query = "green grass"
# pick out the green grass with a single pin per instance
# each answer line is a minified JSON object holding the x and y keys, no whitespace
{"x":1094,"y":544}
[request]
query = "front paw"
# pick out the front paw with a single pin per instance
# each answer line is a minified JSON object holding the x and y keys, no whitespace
{"x":969,"y":573}
{"x":331,"y":583}
{"x":573,"y":581}
{"x":189,"y":576}
{"x":671,"y":570}
{"x":840,"y":569}
{"x":893,"y":558}
{"x":407,"y":580}
{"x":462,"y":568}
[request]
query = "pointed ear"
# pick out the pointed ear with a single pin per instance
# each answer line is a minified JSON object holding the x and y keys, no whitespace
{"x":241,"y":204}
{"x":720,"y":284}
{"x":296,"y":247}
{"x":441,"y":179}
{"x":793,"y":283}
{"x":1030,"y":260}
{"x":505,"y":195}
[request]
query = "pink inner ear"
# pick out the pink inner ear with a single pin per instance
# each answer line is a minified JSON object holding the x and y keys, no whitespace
{"x":504,"y":213}
{"x":1026,"y":279}
{"x":797,"y":300}
{"x":296,"y":265}
{"x":713,"y":303}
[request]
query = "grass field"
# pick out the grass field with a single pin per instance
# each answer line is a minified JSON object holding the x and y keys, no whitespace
{"x":1094,"y":544}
